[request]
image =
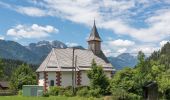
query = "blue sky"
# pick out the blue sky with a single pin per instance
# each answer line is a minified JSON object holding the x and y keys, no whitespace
{"x":124,"y":25}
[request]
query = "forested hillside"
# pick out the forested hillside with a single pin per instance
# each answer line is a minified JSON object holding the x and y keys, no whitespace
{"x":8,"y":66}
{"x":155,"y":68}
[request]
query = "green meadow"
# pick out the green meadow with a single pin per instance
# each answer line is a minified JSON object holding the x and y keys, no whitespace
{"x":46,"y":98}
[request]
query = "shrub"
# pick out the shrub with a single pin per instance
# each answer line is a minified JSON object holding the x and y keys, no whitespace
{"x":61,"y":91}
{"x":20,"y":92}
{"x":54,"y":90}
{"x":167,"y":94}
{"x":68,"y":88}
{"x":45,"y":94}
{"x":81,"y":87}
{"x":121,"y":94}
{"x":83,"y":92}
{"x":132,"y":96}
{"x":95,"y":92}
{"x":68,"y":93}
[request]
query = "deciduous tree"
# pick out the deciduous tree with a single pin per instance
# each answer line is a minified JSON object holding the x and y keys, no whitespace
{"x":23,"y":75}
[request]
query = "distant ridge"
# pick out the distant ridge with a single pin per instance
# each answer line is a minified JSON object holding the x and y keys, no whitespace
{"x":123,"y":60}
{"x":35,"y":53}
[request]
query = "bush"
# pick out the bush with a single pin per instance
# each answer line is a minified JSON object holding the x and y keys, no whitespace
{"x":121,"y":94}
{"x":54,"y":90}
{"x":118,"y":94}
{"x":95,"y":92}
{"x":68,"y":88}
{"x":20,"y":92}
{"x":68,"y":93}
{"x":81,"y":87}
{"x":132,"y":96}
{"x":167,"y":94}
{"x":61,"y":91}
{"x":45,"y":94}
{"x":83,"y":92}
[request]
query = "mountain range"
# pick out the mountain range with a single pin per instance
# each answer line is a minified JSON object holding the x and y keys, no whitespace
{"x":35,"y":53}
{"x":123,"y":60}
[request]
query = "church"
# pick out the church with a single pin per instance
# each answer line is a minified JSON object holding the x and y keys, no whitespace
{"x":67,"y":67}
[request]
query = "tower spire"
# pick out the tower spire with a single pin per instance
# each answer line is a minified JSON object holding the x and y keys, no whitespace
{"x":94,"y":22}
{"x":94,"y":40}
{"x":94,"y":34}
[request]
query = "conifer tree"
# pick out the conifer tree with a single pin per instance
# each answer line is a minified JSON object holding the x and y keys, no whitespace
{"x":98,"y":79}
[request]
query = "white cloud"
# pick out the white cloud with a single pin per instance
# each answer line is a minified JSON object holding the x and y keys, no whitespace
{"x":114,"y":15}
{"x":121,"y":43}
{"x":31,"y":11}
{"x":2,"y":37}
{"x":70,"y":44}
{"x":122,"y":50}
{"x":162,"y":43}
{"x":33,"y":31}
{"x":147,"y":50}
{"x":117,"y":48}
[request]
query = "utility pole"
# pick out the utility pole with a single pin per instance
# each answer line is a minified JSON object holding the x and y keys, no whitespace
{"x":73,"y":71}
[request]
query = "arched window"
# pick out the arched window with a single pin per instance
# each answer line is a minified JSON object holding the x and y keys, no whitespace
{"x":52,"y":83}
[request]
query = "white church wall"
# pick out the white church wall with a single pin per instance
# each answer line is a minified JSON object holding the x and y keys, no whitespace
{"x":51,"y":76}
{"x":66,"y":79}
{"x":41,"y":79}
{"x":84,"y":79}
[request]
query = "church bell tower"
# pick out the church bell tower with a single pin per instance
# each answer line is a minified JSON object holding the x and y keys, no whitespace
{"x":94,"y":41}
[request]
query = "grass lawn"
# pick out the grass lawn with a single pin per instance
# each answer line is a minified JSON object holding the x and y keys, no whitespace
{"x":45,"y":98}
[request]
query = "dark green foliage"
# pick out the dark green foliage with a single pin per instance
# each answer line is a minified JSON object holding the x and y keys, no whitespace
{"x":23,"y":75}
{"x":98,"y":80}
{"x":83,"y":92}
{"x":20,"y":92}
{"x":123,"y":79}
{"x":54,"y":90}
{"x":82,"y":87}
{"x":61,"y":92}
{"x":45,"y":94}
{"x":154,"y":68}
{"x":167,"y":94}
{"x":120,"y":94}
{"x":10,"y":65}
{"x":1,"y":68}
{"x":68,"y":93}
{"x":95,"y":92}
{"x":131,"y":80}
{"x":160,"y":72}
